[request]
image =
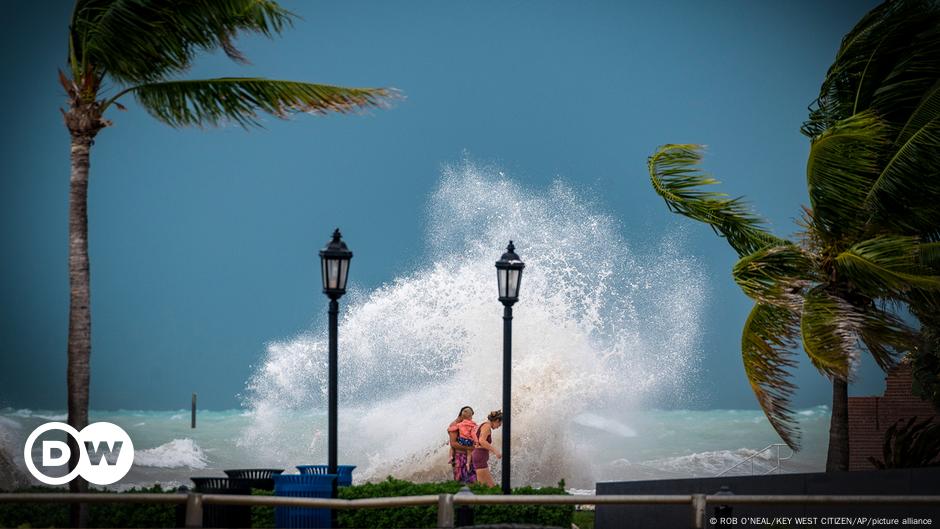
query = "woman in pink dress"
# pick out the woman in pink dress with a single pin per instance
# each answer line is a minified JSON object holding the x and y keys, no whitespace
{"x":481,"y":454}
{"x":460,"y":452}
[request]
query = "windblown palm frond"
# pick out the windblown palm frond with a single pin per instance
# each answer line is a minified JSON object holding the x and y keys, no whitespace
{"x":926,"y":112}
{"x":885,"y":336}
{"x":888,"y":68}
{"x":884,"y":63}
{"x":212,"y":101}
{"x":925,"y":359}
{"x":914,"y":61}
{"x":767,"y":344}
{"x":911,"y":445}
{"x":843,"y":165}
{"x":675,"y":175}
{"x":889,"y":266}
{"x":930,"y":256}
{"x":145,"y":40}
{"x":776,"y":275}
{"x":846,"y":81}
{"x":905,"y":193}
{"x":829,"y":331}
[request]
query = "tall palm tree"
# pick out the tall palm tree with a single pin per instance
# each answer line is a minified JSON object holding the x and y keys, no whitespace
{"x":118,"y":48}
{"x":867,"y":249}
{"x":888,"y":66}
{"x":833,"y":296}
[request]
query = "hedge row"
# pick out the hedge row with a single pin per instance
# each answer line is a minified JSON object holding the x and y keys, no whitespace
{"x":551,"y":515}
{"x":148,"y":515}
{"x":99,"y":514}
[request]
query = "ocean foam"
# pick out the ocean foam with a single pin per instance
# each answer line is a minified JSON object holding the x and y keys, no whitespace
{"x":28,"y":413}
{"x":178,"y":453}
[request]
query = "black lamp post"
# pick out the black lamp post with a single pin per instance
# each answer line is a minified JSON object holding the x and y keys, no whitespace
{"x":334,"y":261}
{"x":509,"y":277}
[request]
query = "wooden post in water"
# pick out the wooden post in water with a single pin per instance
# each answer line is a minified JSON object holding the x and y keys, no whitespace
{"x":193,"y":423}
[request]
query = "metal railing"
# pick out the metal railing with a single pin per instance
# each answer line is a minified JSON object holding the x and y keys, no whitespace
{"x":446,"y":502}
{"x":753,"y":456}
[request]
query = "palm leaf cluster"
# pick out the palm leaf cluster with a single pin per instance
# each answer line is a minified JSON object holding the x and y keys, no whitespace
{"x":801,"y":298}
{"x":867,"y":248}
{"x":875,"y":127}
{"x":910,"y":445}
{"x":887,"y":73}
{"x":182,"y":103}
{"x":143,"y":45}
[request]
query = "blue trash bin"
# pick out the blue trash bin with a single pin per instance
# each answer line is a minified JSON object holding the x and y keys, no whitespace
{"x":303,"y":486}
{"x":343,"y":471}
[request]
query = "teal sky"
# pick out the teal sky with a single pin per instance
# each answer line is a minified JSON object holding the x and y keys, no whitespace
{"x":203,"y":242}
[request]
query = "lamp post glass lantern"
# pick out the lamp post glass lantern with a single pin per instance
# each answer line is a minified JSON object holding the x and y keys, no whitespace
{"x":509,"y":275}
{"x":508,"y":279}
{"x":334,"y":265}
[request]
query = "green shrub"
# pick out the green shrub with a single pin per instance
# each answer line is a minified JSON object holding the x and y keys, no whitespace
{"x":34,"y":514}
{"x":910,"y":445}
{"x":583,"y":519}
{"x":554,"y":515}
{"x":152,"y":515}
{"x":262,"y":516}
{"x":99,"y":515}
{"x":133,"y":514}
{"x":110,"y":514}
{"x":394,"y":517}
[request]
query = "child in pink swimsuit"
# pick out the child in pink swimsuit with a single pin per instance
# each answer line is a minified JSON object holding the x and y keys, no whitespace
{"x":466,"y":435}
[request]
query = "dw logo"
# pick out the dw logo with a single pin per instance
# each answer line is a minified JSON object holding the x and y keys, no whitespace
{"x":107,"y":456}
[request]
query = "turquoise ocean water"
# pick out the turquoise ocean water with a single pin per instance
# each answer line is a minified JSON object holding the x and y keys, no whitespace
{"x":607,"y":337}
{"x":645,"y":445}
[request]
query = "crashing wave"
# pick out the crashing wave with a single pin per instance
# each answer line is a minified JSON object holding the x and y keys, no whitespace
{"x":598,"y":324}
{"x":178,"y":453}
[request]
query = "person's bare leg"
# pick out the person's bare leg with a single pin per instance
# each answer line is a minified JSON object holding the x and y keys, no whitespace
{"x":484,"y":477}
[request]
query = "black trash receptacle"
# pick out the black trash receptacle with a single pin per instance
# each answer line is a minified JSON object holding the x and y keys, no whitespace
{"x":255,"y":478}
{"x":224,"y":515}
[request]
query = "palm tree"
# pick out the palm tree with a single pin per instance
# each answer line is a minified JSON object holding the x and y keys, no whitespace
{"x":867,"y":249}
{"x":888,"y":66}
{"x":833,"y":296}
{"x":138,"y":48}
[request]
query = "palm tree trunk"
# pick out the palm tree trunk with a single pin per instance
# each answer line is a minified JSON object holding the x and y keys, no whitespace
{"x":79,"y":345}
{"x":838,"y":457}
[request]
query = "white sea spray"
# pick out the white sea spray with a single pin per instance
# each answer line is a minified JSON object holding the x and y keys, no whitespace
{"x":600,"y":322}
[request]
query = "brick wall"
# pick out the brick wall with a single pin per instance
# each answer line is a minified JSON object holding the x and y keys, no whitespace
{"x":869,"y":417}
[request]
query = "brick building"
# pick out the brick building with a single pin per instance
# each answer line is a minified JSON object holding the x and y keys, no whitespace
{"x":870,"y":417}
